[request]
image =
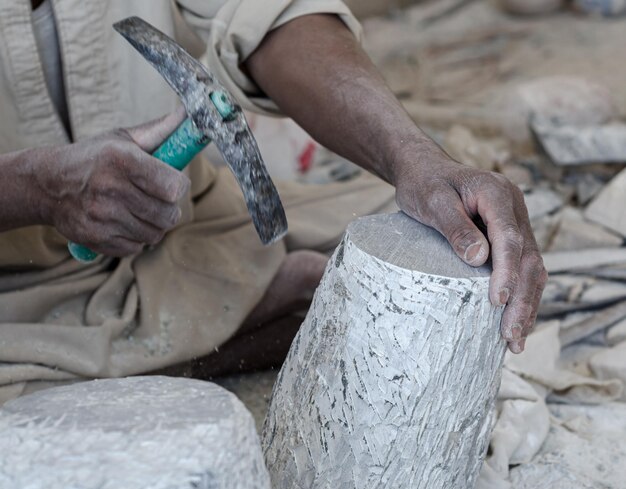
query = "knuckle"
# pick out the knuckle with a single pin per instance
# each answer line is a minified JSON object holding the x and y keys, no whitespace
{"x":436,"y":201}
{"x":170,"y":193}
{"x":173,"y":216}
{"x":505,"y":187}
{"x":430,"y":210}
{"x":537,"y":269}
{"x":93,"y":209}
{"x":175,"y":187}
{"x":502,"y":181}
{"x":523,"y":311}
{"x":513,"y":238}
{"x":535,"y":262}
{"x":111,"y":153}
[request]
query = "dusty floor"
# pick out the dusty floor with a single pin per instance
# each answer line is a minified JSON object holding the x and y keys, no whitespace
{"x":254,"y":390}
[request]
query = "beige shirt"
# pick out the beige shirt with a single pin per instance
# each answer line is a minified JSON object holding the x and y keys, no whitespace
{"x":109,"y":85}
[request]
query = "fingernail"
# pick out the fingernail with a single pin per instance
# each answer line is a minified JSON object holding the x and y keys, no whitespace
{"x":473,"y":251}
{"x":504,"y":296}
{"x":516,"y":347}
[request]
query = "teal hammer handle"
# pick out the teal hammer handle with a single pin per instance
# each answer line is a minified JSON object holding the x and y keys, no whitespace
{"x":177,"y":151}
{"x":182,"y":146}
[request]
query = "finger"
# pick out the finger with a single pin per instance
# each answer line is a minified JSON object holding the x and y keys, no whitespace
{"x":447,"y":214}
{"x":116,"y":221}
{"x":160,"y":214}
{"x":497,"y":211}
{"x":533,"y":276}
{"x":156,"y":178}
{"x":134,"y":229}
{"x":521,"y":312}
{"x":530,"y":325}
{"x":112,"y":245}
{"x":150,"y":135}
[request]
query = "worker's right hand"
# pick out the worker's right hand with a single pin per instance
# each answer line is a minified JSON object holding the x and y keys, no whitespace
{"x":109,"y":194}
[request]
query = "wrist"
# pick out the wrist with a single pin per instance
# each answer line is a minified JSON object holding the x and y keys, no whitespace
{"x":412,"y":155}
{"x":33,"y":168}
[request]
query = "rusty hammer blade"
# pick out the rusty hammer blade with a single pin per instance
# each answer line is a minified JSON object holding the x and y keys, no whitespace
{"x":215,"y":113}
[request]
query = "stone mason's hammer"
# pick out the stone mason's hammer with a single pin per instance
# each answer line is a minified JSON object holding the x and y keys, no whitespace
{"x":213,"y":115}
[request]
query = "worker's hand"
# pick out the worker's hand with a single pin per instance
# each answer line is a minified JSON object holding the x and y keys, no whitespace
{"x":109,"y":194}
{"x":446,"y":195}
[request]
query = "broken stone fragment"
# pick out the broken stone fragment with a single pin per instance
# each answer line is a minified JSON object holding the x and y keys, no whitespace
{"x":604,"y":290}
{"x":574,"y":232}
{"x":541,"y":202}
{"x":544,"y":229}
{"x":608,"y":207}
{"x":588,"y":185}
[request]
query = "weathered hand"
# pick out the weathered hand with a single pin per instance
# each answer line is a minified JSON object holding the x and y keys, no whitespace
{"x":108,"y":193}
{"x":446,"y":196}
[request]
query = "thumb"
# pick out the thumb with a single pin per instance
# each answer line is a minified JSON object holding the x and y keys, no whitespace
{"x":150,"y":135}
{"x":452,"y":220}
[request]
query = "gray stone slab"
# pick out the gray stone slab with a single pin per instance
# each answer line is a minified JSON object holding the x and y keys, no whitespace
{"x":133,"y":433}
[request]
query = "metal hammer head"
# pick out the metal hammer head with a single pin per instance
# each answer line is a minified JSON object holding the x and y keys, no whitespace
{"x":216,"y":114}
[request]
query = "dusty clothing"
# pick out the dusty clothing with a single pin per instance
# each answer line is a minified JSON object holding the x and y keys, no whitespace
{"x":47,"y":37}
{"x":60,"y":320}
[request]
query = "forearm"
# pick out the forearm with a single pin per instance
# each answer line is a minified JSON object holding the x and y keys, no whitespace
{"x":316,"y":72}
{"x":20,"y":201}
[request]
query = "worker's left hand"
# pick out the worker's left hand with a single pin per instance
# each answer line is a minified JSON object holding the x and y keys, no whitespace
{"x":446,"y":195}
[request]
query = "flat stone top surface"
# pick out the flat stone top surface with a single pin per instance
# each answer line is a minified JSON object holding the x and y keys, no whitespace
{"x":134,"y":403}
{"x":402,"y":241}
